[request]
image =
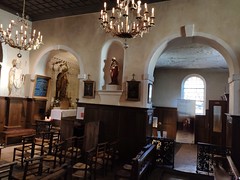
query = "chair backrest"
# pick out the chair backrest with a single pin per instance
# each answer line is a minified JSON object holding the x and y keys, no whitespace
{"x":101,"y":149}
{"x":90,"y":161}
{"x":6,"y":170}
{"x":43,"y":138}
{"x":59,"y":152}
{"x":33,"y":167}
{"x":42,"y":126}
{"x":29,"y":141}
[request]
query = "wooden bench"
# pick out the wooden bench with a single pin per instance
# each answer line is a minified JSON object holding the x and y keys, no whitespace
{"x":143,"y":161}
{"x":140,"y":164}
{"x":225,"y":169}
{"x":18,"y":132}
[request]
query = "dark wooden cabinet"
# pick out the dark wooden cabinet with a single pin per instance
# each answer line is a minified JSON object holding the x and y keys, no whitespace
{"x":217,"y":122}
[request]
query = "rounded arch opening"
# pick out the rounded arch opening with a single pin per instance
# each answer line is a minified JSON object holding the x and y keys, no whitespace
{"x":219,"y":45}
{"x":52,"y":63}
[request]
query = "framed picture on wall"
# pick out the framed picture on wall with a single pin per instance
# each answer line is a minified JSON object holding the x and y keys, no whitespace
{"x":150,"y":88}
{"x":41,"y":86}
{"x":133,"y":90}
{"x":89,"y":89}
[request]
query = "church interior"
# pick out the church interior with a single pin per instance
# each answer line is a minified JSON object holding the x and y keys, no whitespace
{"x":119,"y":89}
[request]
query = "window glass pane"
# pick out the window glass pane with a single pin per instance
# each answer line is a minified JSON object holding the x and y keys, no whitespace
{"x":194,"y":90}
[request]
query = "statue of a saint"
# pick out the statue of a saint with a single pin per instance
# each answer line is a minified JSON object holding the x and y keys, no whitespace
{"x":61,"y":84}
{"x":114,"y":71}
{"x":16,"y":79}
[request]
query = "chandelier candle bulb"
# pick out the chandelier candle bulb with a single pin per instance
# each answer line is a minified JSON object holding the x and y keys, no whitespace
{"x":105,"y":6}
{"x":152,"y":12}
{"x":113,"y":11}
{"x":146,"y":9}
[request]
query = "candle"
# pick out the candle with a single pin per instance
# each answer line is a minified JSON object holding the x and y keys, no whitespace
{"x":126,"y":10}
{"x":105,"y":6}
{"x":145,"y":5}
{"x":101,"y":14}
{"x":113,"y":11}
{"x":134,"y":26}
{"x":152,"y":12}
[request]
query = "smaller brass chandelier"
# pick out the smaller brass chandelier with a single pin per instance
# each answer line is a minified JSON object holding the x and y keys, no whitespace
{"x":19,"y":34}
{"x":126,"y":20}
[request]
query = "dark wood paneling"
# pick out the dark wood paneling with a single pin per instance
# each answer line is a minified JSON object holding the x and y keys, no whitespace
{"x":127,"y":124}
{"x":36,"y":109}
{"x":168,"y":118}
{"x":2,"y":112}
{"x":16,"y":112}
{"x":201,"y":128}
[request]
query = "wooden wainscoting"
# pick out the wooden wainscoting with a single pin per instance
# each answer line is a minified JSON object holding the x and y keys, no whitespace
{"x":130,"y":125}
{"x":167,"y":116}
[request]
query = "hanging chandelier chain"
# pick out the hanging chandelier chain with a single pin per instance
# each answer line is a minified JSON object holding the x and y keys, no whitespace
{"x":23,"y":13}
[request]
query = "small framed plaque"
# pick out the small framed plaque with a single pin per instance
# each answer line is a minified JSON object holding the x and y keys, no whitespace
{"x":89,"y":89}
{"x":133,"y":90}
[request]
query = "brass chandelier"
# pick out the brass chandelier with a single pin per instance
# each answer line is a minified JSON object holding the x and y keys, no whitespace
{"x":19,"y":34}
{"x":127,"y":20}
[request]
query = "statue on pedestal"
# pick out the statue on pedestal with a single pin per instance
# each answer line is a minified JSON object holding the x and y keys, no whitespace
{"x":114,"y":71}
{"x":62,"y":84}
{"x":16,"y":79}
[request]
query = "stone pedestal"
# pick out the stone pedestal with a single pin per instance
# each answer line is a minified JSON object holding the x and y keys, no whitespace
{"x":112,"y":87}
{"x":110,"y":97}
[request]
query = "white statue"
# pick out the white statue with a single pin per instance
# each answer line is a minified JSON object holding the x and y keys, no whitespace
{"x":16,"y":79}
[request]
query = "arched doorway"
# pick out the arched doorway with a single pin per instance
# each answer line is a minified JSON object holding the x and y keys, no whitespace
{"x":213,"y":43}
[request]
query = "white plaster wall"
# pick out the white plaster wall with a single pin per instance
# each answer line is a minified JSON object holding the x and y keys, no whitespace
{"x":167,"y":85}
{"x":217,"y":20}
{"x":8,"y":55}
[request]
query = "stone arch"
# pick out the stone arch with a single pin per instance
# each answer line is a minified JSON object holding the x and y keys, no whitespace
{"x":58,"y":47}
{"x":222,"y":47}
{"x":41,"y":60}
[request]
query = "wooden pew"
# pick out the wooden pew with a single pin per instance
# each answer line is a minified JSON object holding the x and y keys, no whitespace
{"x":143,"y":161}
{"x":140,"y":164}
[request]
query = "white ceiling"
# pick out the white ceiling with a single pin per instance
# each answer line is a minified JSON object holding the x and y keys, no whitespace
{"x":185,"y":54}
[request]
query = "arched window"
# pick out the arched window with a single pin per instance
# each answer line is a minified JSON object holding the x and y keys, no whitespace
{"x":194,"y":88}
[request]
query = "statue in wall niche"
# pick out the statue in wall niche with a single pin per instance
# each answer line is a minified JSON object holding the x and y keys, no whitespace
{"x":16,"y":79}
{"x":62,"y":84}
{"x":114,"y":71}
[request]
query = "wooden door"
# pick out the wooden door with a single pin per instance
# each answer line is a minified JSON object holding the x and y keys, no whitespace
{"x":217,"y":122}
